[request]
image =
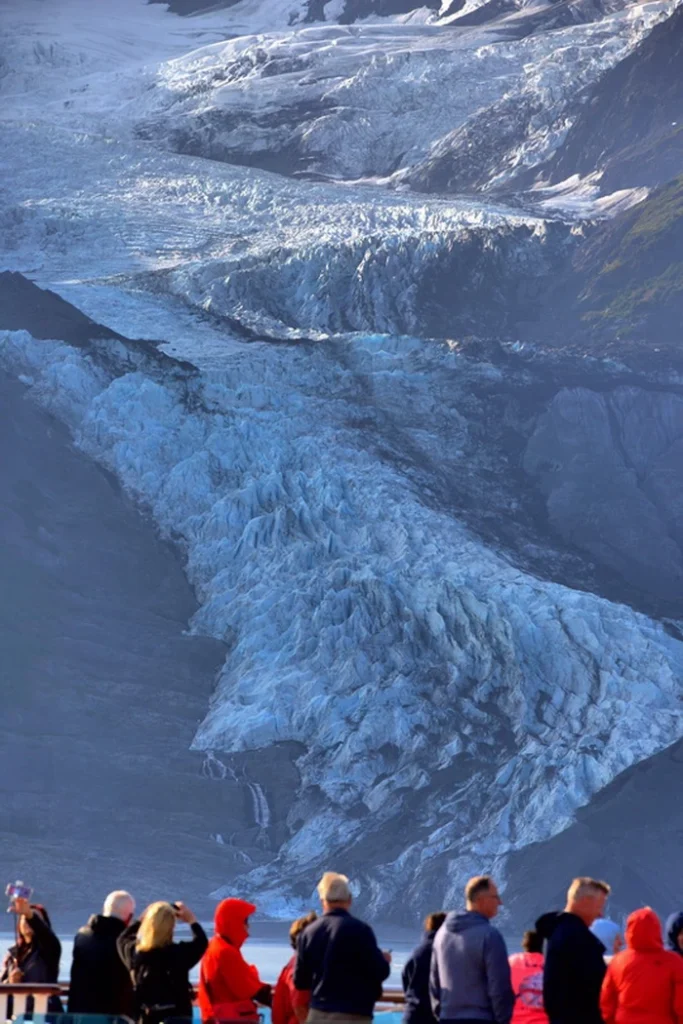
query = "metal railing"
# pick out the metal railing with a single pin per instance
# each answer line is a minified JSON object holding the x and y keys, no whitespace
{"x":391,"y":997}
{"x":20,"y":995}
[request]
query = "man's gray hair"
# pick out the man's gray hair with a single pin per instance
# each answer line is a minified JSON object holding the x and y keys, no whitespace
{"x":334,"y":888}
{"x":119,"y":904}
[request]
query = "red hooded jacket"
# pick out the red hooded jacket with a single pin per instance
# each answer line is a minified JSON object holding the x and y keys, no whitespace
{"x":644,"y":983}
{"x":227,"y":983}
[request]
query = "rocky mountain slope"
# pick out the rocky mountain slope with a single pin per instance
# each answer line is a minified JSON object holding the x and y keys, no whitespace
{"x":629,"y":127}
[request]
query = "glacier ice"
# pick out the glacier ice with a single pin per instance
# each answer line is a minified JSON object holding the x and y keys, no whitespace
{"x":427,"y":680}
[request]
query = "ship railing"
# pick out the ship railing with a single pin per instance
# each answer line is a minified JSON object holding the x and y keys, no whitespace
{"x":19,"y":995}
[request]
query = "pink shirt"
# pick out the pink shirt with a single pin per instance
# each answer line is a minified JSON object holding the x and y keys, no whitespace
{"x":527,"y":983}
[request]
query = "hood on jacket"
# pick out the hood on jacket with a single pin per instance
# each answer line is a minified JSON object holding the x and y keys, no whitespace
{"x":674,"y":927}
{"x":644,"y":930}
{"x":464,"y":920}
{"x":230,"y":921}
{"x":546,"y":923}
{"x":101,"y":925}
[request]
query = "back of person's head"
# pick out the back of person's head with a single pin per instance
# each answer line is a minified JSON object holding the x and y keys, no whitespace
{"x":434,"y":921}
{"x":481,"y":895}
{"x":674,"y":932}
{"x":119,"y":904}
{"x":334,"y":888}
{"x":609,"y":934}
{"x":156,"y":927}
{"x":299,"y":925}
{"x":586,"y":898}
{"x":644,"y":931}
{"x":532,"y":942}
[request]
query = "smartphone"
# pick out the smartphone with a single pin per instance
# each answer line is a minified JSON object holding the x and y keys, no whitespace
{"x":18,"y":891}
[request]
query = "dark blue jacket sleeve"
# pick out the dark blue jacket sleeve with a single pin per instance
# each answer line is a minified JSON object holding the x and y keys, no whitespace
{"x":498,"y":977}
{"x":303,"y":977}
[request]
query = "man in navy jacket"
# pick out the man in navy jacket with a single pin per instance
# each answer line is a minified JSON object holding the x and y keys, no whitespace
{"x":574,"y":961}
{"x":338,"y":959}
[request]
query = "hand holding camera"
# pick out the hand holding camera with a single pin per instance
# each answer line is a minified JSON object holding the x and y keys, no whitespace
{"x":184,"y":913}
{"x":21,"y":906}
{"x":19,"y":896}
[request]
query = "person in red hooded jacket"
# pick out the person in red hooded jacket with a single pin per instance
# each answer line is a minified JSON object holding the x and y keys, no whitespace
{"x":229,"y":987}
{"x":644,"y":983}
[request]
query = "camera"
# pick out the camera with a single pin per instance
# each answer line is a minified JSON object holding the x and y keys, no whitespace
{"x":18,"y":891}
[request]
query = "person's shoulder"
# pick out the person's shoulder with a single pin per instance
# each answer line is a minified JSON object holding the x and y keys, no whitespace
{"x":675,"y":962}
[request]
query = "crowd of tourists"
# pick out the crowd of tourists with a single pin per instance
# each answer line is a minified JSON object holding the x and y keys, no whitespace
{"x":575,"y":968}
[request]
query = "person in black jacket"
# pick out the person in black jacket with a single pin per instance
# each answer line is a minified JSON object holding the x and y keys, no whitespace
{"x":36,"y":954}
{"x":574,"y":962}
{"x":159,"y":966}
{"x":338,"y":959}
{"x":100,"y":982}
{"x":415,"y":975}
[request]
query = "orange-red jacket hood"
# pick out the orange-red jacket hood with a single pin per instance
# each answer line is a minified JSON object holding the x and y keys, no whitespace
{"x":644,"y":930}
{"x":230,"y":921}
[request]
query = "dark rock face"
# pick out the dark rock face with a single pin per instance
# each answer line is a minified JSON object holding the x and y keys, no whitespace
{"x":630,"y":124}
{"x":103,"y":688}
{"x":353,"y":10}
{"x":24,"y":307}
{"x":631,"y":825}
{"x":611,"y":469}
{"x":622,"y":294}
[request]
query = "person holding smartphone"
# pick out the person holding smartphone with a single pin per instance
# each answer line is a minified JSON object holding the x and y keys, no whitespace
{"x":160,"y":968}
{"x":36,"y":954}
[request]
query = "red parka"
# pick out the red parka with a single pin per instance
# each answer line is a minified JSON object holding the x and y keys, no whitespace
{"x":644,"y":983}
{"x":287,"y":999}
{"x":227,"y":983}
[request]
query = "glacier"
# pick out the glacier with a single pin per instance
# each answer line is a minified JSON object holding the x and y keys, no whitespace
{"x":407,"y":660}
{"x":313,"y":445}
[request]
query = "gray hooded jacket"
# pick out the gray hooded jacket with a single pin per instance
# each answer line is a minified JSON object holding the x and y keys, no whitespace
{"x":470,"y":973}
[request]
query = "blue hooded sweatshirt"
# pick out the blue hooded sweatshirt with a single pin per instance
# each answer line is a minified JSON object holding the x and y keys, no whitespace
{"x":674,"y":926}
{"x":470,"y":974}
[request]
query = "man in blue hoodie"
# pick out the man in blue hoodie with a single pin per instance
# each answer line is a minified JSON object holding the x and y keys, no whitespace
{"x":469,"y":979}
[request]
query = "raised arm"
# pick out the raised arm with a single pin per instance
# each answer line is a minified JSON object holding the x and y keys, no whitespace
{"x":44,"y":936}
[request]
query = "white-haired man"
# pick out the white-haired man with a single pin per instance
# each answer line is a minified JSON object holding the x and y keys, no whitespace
{"x":574,"y":963}
{"x":338,"y":960}
{"x":100,"y":982}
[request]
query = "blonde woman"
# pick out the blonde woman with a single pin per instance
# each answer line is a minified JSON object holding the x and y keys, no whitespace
{"x":160,"y":967}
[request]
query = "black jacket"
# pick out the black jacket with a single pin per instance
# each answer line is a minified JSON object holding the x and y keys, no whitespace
{"x":100,"y":982}
{"x":40,"y":962}
{"x":573,"y":973}
{"x":162,"y":976}
{"x":339,"y":962}
{"x":415,"y":980}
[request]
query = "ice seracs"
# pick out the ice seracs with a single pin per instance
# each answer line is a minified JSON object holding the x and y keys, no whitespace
{"x":400,"y":654}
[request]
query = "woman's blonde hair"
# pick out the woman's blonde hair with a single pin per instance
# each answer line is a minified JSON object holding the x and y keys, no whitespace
{"x":156,"y":927}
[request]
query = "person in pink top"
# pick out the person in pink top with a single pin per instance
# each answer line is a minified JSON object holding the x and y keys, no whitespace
{"x":526,"y":970}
